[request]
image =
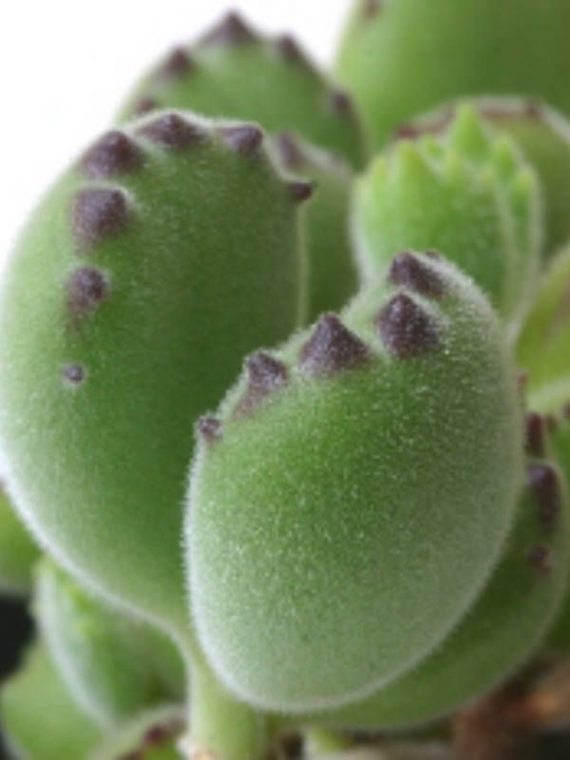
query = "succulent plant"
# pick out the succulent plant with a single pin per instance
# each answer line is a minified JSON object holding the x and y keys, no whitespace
{"x":402,"y":57}
{"x":468,"y":194}
{"x":371,"y":534}
{"x":543,"y":135}
{"x":127,"y":306}
{"x":114,"y":666}
{"x":389,"y":442}
{"x":234,"y":71}
{"x":18,"y":552}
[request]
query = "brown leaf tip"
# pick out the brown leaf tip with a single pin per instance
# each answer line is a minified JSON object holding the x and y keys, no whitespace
{"x":74,"y":375}
{"x":371,"y":8}
{"x":244,"y":139}
{"x":209,"y":429}
{"x":406,"y":328}
{"x":300,"y":190}
{"x":535,"y":432}
{"x":332,"y":348}
{"x":176,"y":64}
{"x":144,"y":106}
{"x":266,"y":375}
{"x":288,"y":47}
{"x":341,"y":102}
{"x":113,"y":154}
{"x":544,"y":483}
{"x":97,"y":214}
{"x":172,"y":131}
{"x":540,"y":560}
{"x":409,"y":271}
{"x":231,"y":30}
{"x":290,"y":151}
{"x":87,"y":288}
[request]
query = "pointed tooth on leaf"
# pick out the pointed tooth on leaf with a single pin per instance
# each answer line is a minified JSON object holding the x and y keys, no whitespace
{"x":332,"y":348}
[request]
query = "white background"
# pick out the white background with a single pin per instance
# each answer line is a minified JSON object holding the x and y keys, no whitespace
{"x":66,"y":64}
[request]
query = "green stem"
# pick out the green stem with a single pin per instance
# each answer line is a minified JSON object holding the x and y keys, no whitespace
{"x":221,"y":728}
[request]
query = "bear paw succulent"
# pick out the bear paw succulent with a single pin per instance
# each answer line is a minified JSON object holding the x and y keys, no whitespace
{"x":368,"y":472}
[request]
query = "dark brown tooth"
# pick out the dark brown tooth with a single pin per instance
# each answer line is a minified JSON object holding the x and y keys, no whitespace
{"x":97,"y":214}
{"x":290,"y":49}
{"x":533,"y":109}
{"x":332,"y":348}
{"x":209,"y":429}
{"x":409,"y":271}
{"x":145,"y":105}
{"x":231,"y":30}
{"x":406,"y":132}
{"x":74,"y":374}
{"x":341,"y":102}
{"x":243,"y":138}
{"x":266,"y":375}
{"x":566,"y":411}
{"x":87,"y":288}
{"x":371,"y":8}
{"x":535,"y":435}
{"x":172,"y":131}
{"x":551,"y":423}
{"x":177,"y":63}
{"x":411,"y":130}
{"x":544,"y":483}
{"x":156,"y":736}
{"x":113,"y":154}
{"x":540,"y":559}
{"x":290,"y":151}
{"x":406,"y":329}
{"x":301,"y":191}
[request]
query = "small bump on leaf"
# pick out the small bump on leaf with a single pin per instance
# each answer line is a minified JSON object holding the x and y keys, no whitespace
{"x":341,"y":102}
{"x":290,"y":151}
{"x":209,"y":429}
{"x":113,"y":154}
{"x":290,"y":50}
{"x":177,"y":64}
{"x":87,"y":288}
{"x":232,"y":30}
{"x":144,"y":106}
{"x":266,"y":375}
{"x":74,"y":375}
{"x":406,"y":329}
{"x":535,"y":435}
{"x":172,"y":131}
{"x":98,"y":213}
{"x":543,"y":481}
{"x":244,"y":139}
{"x":332,"y":348}
{"x":371,"y":8}
{"x":409,"y":271}
{"x":300,"y":191}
